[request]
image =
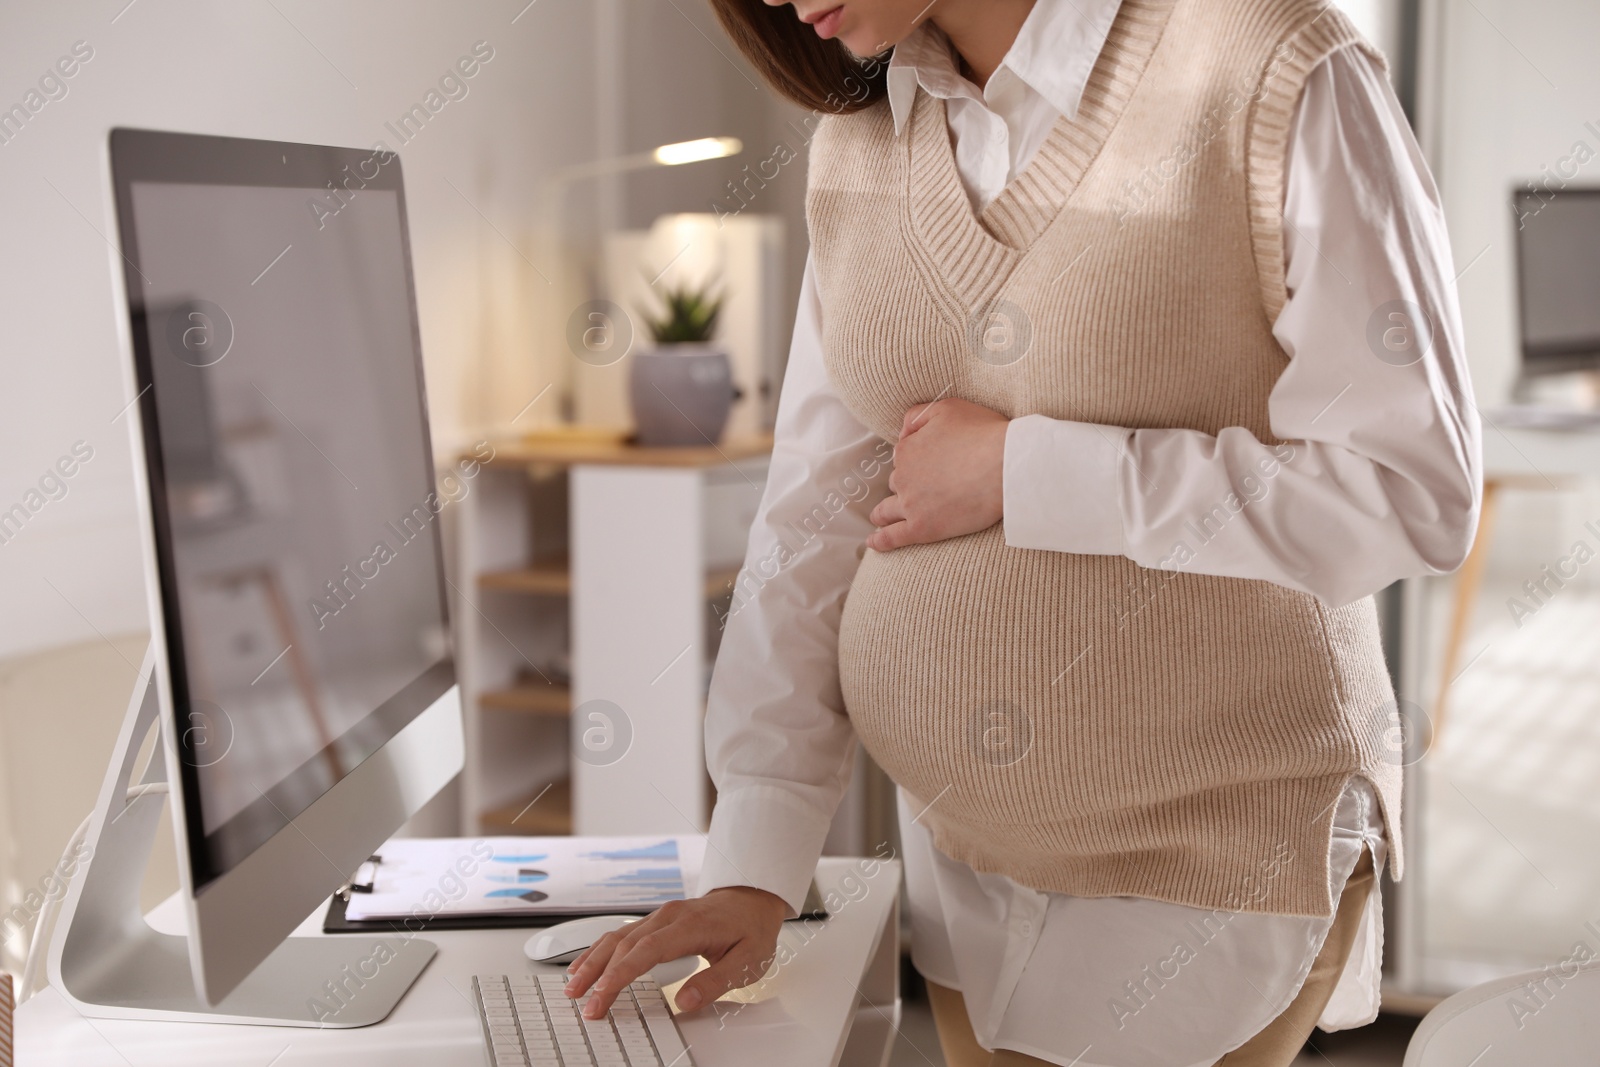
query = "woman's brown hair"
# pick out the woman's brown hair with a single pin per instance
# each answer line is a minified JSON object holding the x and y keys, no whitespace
{"x":816,"y":74}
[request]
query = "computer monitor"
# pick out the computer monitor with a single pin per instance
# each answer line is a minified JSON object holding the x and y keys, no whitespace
{"x":303,"y":678}
{"x":1558,"y":279}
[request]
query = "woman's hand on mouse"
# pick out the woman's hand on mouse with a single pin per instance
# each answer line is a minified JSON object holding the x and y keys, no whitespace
{"x":948,"y":476}
{"x":735,"y":928}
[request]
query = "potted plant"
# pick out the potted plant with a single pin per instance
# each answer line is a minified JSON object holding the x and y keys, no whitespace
{"x":681,"y":391}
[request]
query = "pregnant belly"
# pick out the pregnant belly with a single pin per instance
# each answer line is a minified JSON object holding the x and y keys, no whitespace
{"x":1007,"y":686}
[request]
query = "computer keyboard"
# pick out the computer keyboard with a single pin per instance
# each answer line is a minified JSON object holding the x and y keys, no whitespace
{"x":528,"y":1021}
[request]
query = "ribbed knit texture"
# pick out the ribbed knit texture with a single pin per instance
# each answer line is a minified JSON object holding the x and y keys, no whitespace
{"x":1078,"y":722}
{"x":7,"y":1007}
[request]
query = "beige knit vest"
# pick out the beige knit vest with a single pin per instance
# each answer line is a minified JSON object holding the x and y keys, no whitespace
{"x":1078,"y":722}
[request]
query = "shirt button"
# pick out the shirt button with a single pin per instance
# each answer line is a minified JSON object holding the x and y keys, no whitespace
{"x":1027,"y":928}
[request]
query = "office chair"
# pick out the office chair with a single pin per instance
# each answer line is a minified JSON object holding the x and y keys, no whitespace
{"x":1548,"y":1018}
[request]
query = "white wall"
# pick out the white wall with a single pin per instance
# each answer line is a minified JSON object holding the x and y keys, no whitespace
{"x":554,"y":94}
{"x":1379,"y":20}
{"x":1507,"y":87}
{"x":299,"y":70}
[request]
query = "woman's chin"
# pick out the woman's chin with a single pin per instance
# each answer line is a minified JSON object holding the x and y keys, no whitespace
{"x":863,"y":42}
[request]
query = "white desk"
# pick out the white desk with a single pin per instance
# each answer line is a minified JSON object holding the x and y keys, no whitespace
{"x":1510,"y":450}
{"x":834,"y":999}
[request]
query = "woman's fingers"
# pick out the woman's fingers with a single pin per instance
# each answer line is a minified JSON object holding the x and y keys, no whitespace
{"x":894,"y":525}
{"x":895,"y":535}
{"x":582,"y":971}
{"x":642,"y":945}
{"x":739,"y":967}
{"x":728,"y":926}
{"x":916,"y":417}
{"x":890,"y":509}
{"x":599,"y":976}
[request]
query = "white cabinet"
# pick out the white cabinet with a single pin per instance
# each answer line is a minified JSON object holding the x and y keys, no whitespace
{"x":592,"y":581}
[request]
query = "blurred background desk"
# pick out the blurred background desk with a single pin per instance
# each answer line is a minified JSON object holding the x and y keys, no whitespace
{"x":1513,"y":458}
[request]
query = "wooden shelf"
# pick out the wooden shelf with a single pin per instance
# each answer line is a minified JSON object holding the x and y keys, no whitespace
{"x":553,"y":578}
{"x":533,"y":699}
{"x":546,"y":578}
{"x":547,"y":525}
{"x":550,"y":814}
{"x":563,"y":450}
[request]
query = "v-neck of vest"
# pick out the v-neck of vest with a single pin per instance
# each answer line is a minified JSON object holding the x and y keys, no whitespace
{"x":977,"y":251}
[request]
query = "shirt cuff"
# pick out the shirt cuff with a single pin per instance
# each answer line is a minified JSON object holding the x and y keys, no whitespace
{"x":764,"y":837}
{"x":1061,"y":485}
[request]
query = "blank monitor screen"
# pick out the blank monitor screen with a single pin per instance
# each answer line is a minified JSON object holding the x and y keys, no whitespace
{"x":1558,"y":256}
{"x":290,"y":468}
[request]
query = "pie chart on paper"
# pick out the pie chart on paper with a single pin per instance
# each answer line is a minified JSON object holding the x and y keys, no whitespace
{"x":526,"y":876}
{"x":532,"y":896}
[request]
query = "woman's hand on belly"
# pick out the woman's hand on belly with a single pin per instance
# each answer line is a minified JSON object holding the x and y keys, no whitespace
{"x":948,"y":473}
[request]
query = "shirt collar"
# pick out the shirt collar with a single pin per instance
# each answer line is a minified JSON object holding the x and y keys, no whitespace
{"x":1054,"y":53}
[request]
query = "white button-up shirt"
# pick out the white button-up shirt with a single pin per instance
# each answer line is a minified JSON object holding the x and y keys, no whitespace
{"x":1386,"y":483}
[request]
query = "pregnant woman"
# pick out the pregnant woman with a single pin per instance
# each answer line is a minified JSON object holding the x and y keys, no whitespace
{"x":1154,"y":304}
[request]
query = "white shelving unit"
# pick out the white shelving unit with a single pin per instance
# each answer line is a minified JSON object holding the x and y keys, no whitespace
{"x":592,"y":580}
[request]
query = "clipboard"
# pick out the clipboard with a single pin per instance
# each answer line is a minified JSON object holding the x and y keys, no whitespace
{"x":335,"y":922}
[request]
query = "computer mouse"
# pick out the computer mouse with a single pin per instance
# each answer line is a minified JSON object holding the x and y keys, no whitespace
{"x":563,"y":942}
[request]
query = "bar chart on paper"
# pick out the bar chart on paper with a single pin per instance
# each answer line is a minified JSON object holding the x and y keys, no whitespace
{"x":647,"y":875}
{"x":527,"y":876}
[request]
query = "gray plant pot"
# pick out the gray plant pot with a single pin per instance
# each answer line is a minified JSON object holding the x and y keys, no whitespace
{"x":681,"y":394}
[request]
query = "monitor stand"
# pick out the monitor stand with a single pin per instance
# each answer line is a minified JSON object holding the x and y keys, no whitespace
{"x":108,"y":962}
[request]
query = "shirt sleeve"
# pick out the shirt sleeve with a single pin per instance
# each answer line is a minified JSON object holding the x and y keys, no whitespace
{"x":1379,"y":476}
{"x":778,"y":744}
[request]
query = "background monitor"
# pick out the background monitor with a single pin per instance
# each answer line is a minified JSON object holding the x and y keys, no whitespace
{"x":305,"y":666}
{"x":1558,"y":279}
